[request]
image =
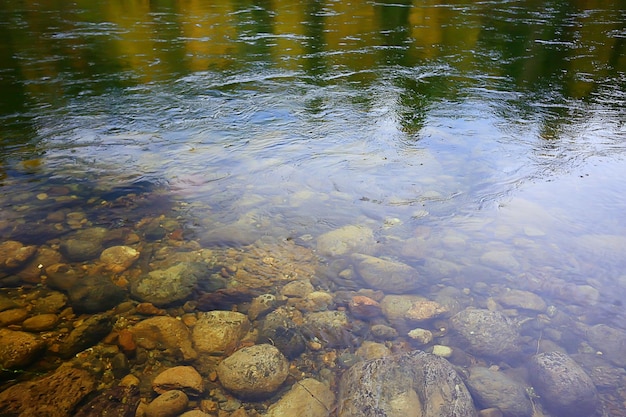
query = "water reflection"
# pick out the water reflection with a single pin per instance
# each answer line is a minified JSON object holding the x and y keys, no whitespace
{"x":479,"y":145}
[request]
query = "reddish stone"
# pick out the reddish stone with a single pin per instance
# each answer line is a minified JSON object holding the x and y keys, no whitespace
{"x":364,"y":307}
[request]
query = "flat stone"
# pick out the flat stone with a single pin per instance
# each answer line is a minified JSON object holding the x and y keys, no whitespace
{"x":13,"y":316}
{"x":14,"y":254}
{"x":168,"y":286}
{"x":425,"y":310}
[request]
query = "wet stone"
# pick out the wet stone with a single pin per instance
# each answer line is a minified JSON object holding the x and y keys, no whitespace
{"x":55,"y":395}
{"x":79,"y":250}
{"x":19,"y":349}
{"x":610,"y":341}
{"x":167,"y":334}
{"x":92,"y":331}
{"x":182,"y":378}
{"x":219,"y":331}
{"x":118,"y":258}
{"x":524,"y":300}
{"x":120,"y":401}
{"x":331,"y":327}
{"x":414,"y":384}
{"x":388,"y":276}
{"x":254,"y":372}
{"x":383,"y":332}
{"x":280,"y":330}
{"x":487,"y":333}
{"x":40,"y":322}
{"x":345,"y":240}
{"x":169,"y":404}
{"x":493,"y":389}
{"x":363,"y":307}
{"x":563,"y":386}
{"x":306,"y":398}
{"x":95,"y":294}
{"x":14,"y":254}
{"x":6,"y":303}
{"x":168,"y":286}
{"x":425,"y":310}
{"x":13,"y":316}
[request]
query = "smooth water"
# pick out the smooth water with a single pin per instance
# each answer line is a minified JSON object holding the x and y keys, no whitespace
{"x":480,"y":141}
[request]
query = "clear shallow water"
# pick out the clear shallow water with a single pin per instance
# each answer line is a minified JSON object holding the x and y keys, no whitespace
{"x":490,"y":127}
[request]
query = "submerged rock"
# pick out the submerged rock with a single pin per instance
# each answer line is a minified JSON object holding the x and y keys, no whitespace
{"x":14,"y":254}
{"x":18,"y":349}
{"x":254,"y":372}
{"x":487,"y":333}
{"x":167,"y":334}
{"x":280,"y":330}
{"x":331,"y":327}
{"x":167,"y":286}
{"x":120,"y":401}
{"x":118,"y":258}
{"x":55,"y":395}
{"x":95,"y":294}
{"x":169,"y":404}
{"x":182,"y":378}
{"x":92,"y":331}
{"x":493,"y":389}
{"x":563,"y":385}
{"x":415,"y":384}
{"x":219,"y":331}
{"x":306,"y":398}
{"x":346,"y":240}
{"x":610,"y":341}
{"x":388,"y":276}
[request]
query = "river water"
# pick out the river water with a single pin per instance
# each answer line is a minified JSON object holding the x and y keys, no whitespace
{"x":482,"y":143}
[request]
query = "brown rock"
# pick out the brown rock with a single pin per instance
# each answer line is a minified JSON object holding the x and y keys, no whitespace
{"x":149,"y":309}
{"x":183,"y":378}
{"x":55,"y":395}
{"x":13,"y":316}
{"x":19,"y":349}
{"x":170,"y":334}
{"x":120,"y":401}
{"x":363,"y":307}
{"x":119,"y":258}
{"x":14,"y":254}
{"x":126,"y":341}
{"x":40,"y":322}
{"x":169,"y":404}
{"x":425,"y":310}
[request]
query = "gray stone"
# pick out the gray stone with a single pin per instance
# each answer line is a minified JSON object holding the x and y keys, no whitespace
{"x":493,"y":389}
{"x":524,"y":300}
{"x":254,"y":372}
{"x":84,"y":245}
{"x":388,"y":276}
{"x":306,"y":398}
{"x":610,"y":341}
{"x":487,"y":333}
{"x":415,"y":384}
{"x":346,"y":240}
{"x":95,"y":294}
{"x":330,"y":327}
{"x":563,"y":385}
{"x":280,"y":330}
{"x":168,"y":286}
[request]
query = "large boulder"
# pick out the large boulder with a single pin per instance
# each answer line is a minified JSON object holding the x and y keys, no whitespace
{"x":254,"y":372}
{"x":493,"y":389}
{"x":487,"y":333}
{"x":563,"y":385}
{"x":415,"y":384}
